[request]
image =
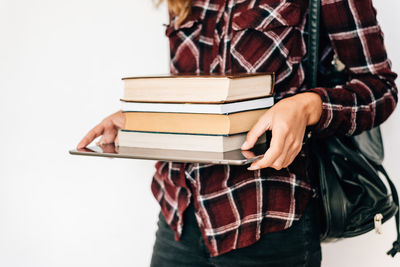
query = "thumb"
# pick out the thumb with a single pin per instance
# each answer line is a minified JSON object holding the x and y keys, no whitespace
{"x":108,"y":137}
{"x":263,"y":124}
{"x":119,"y":121}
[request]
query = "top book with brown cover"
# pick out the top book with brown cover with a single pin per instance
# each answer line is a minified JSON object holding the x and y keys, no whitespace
{"x":192,"y":88}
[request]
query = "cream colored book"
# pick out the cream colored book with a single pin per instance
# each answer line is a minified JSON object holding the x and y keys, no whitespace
{"x":198,"y":88}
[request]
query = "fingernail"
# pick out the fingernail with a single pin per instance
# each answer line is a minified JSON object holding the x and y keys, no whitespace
{"x":253,"y":167}
{"x":244,"y":145}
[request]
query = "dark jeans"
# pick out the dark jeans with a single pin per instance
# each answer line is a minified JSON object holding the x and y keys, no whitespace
{"x":299,"y":245}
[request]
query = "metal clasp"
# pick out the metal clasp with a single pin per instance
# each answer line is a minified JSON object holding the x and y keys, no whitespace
{"x":378,"y":223}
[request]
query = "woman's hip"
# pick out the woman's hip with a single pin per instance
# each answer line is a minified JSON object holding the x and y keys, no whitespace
{"x":298,"y":245}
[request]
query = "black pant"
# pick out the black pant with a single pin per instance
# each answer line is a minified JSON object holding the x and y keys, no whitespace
{"x":299,"y":245}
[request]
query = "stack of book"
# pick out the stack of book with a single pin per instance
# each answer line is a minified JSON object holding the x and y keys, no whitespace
{"x":193,"y":112}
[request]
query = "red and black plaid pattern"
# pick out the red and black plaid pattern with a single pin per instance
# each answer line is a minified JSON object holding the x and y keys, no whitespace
{"x":234,"y":206}
{"x":370,"y":96}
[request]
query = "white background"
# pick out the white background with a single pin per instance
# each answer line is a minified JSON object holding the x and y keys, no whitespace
{"x":60,"y":69}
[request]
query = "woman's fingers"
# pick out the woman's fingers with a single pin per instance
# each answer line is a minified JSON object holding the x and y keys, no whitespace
{"x":295,"y":149}
{"x":91,"y":135}
{"x":287,"y":153}
{"x":108,"y":128}
{"x":279,"y":162}
{"x":119,"y":120}
{"x":108,"y":136}
{"x":248,"y":154}
{"x":277,"y":146}
{"x":256,"y":131}
{"x":281,"y":153}
{"x":287,"y":119}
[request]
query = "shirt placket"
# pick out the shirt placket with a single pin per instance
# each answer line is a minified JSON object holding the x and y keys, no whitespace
{"x":226,"y":36}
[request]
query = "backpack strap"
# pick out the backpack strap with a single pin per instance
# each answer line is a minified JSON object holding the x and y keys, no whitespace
{"x":396,"y":244}
{"x":313,"y":42}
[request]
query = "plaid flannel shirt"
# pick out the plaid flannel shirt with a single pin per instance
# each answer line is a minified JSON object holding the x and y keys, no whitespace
{"x":234,"y":206}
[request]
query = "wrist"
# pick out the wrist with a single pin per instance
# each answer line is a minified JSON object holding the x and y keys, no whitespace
{"x":311,"y":107}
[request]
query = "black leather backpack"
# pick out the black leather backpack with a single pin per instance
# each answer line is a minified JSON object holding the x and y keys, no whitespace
{"x":354,"y":199}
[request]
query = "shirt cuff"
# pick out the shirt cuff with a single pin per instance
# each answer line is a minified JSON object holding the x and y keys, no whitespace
{"x":322,"y":127}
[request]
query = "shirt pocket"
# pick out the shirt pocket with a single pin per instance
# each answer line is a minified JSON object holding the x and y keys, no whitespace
{"x":184,"y":44}
{"x":266,"y":17}
{"x":188,"y":26}
{"x":263,"y":36}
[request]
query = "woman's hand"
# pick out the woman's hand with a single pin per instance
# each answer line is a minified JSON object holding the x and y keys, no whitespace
{"x":108,"y":128}
{"x":287,"y":120}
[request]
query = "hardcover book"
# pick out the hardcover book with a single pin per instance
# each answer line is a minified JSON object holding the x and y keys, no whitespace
{"x":198,"y":88}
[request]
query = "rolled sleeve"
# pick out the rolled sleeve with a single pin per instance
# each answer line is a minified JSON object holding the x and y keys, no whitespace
{"x":370,"y":95}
